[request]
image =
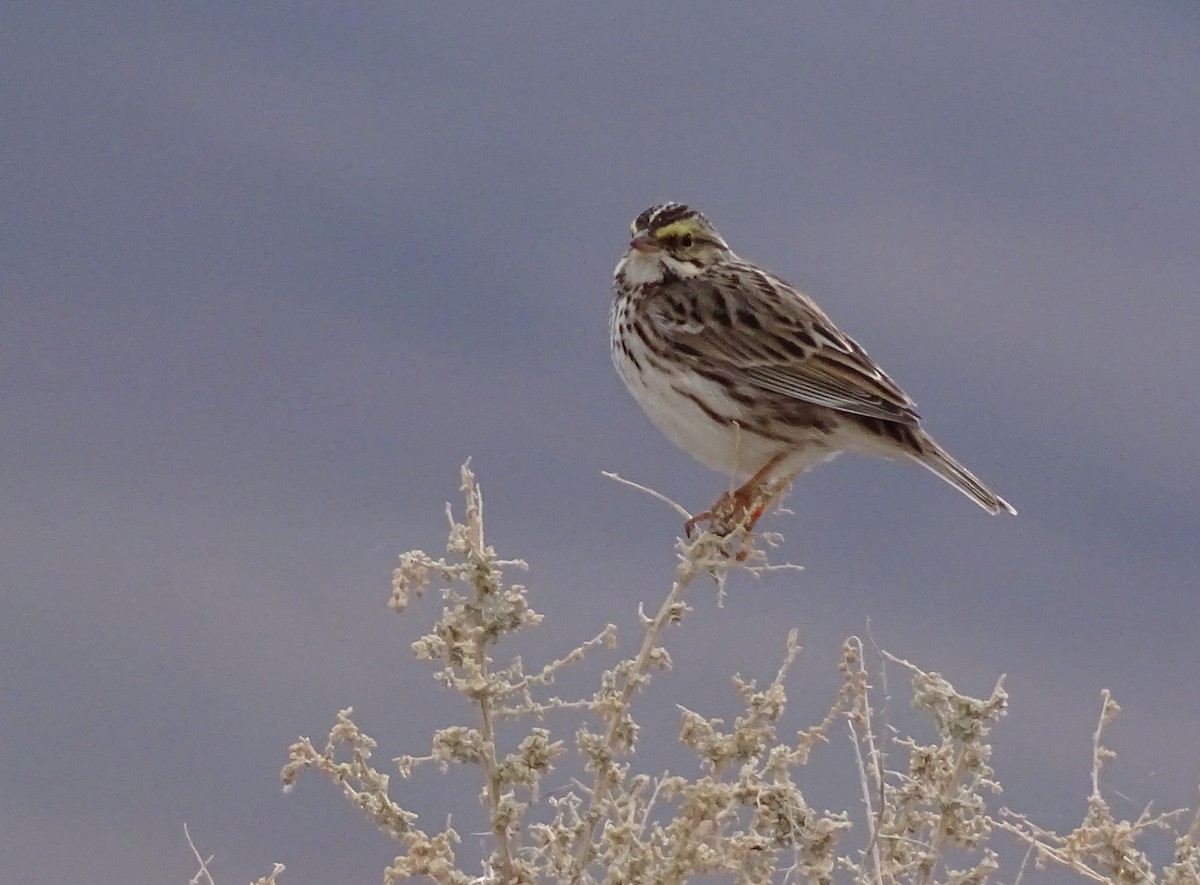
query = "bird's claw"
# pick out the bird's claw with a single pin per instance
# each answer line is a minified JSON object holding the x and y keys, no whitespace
{"x":739,"y":509}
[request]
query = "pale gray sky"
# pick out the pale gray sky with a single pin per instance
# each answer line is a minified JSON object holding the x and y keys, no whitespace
{"x":270,"y":272}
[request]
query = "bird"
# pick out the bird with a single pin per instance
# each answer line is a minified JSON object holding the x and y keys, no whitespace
{"x":744,"y":372}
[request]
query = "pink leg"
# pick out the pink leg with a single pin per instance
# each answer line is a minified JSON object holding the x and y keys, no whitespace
{"x":746,"y":504}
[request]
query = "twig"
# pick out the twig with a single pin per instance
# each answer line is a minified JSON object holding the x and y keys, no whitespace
{"x":203,"y":875}
{"x":678,"y":508}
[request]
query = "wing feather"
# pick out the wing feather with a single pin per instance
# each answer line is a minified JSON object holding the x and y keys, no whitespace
{"x":757,"y":328}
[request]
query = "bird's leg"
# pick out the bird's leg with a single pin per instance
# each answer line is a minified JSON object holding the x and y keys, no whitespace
{"x":745,"y":505}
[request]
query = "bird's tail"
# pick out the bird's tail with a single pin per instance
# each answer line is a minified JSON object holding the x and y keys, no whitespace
{"x":938,"y":460}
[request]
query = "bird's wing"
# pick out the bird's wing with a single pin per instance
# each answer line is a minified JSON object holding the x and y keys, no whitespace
{"x":765,"y":332}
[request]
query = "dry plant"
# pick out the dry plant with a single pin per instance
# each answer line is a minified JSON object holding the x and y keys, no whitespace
{"x":204,"y":877}
{"x":742,"y":815}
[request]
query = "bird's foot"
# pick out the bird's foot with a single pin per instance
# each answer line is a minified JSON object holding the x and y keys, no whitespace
{"x":733,"y":510}
{"x":736,"y":511}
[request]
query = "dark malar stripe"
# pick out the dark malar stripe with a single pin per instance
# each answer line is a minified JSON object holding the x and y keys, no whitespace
{"x":653,"y":344}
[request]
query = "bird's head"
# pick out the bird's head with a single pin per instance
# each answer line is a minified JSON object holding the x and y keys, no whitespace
{"x":672,"y":239}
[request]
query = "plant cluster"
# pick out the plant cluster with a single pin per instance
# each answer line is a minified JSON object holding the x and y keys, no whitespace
{"x":926,"y":814}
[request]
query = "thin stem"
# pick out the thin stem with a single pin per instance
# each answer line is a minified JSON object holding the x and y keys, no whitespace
{"x":685,"y":574}
{"x":1097,"y":750}
{"x":939,"y":834}
{"x":479,"y":554}
{"x":499,"y":829}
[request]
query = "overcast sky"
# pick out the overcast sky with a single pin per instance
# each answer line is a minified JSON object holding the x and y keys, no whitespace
{"x":270,"y":272}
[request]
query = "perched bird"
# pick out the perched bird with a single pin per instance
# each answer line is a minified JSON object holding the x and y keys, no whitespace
{"x":745,"y":373}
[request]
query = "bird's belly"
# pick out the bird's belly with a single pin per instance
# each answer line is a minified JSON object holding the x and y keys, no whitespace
{"x":697,"y":416}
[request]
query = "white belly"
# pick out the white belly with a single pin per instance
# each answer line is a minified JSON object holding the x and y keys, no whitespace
{"x":726,"y":448}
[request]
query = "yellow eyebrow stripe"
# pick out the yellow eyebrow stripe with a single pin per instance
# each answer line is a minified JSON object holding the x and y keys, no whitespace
{"x":676,"y":228}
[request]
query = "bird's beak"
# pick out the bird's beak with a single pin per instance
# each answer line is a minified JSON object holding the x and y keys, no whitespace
{"x":644,"y":242}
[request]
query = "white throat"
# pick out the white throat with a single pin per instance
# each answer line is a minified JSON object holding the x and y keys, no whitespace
{"x":642,"y":268}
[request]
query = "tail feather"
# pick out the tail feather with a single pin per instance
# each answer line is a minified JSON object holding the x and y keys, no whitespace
{"x":939,"y":461}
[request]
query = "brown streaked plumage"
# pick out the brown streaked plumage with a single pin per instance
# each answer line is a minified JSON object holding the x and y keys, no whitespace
{"x":746,"y":373}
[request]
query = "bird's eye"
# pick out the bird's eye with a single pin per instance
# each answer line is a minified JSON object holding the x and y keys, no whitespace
{"x":686,"y":241}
